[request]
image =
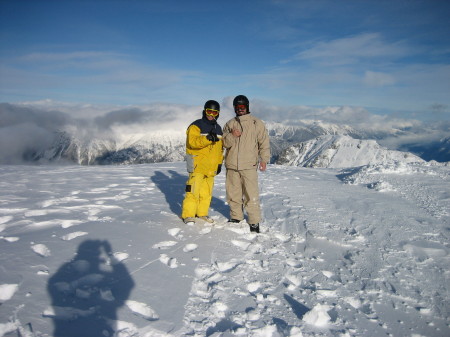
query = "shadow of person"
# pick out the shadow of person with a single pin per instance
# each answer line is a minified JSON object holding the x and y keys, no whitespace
{"x":87,"y":291}
{"x":173,"y":188}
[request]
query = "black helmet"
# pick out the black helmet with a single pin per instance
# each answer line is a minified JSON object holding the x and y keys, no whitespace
{"x":211,"y":104}
{"x":241,"y":100}
{"x":214,"y":105}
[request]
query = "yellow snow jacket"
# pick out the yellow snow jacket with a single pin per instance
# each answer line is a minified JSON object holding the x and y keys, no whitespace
{"x":202,"y":155}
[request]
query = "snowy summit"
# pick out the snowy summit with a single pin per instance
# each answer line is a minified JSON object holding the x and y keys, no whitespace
{"x":101,"y":251}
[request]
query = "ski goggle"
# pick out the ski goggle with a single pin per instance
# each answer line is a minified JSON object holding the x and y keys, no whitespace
{"x":212,"y":112}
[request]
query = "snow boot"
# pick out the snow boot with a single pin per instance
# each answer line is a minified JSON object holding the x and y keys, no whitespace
{"x":206,"y":218}
{"x":234,"y":220}
{"x":254,"y":228}
{"x":189,"y":221}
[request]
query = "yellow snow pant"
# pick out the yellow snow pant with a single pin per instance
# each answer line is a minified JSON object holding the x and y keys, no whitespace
{"x":243,"y":193}
{"x":198,"y":195}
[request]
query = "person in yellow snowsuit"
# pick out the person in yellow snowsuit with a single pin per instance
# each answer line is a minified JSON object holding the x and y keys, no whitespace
{"x":204,"y":156}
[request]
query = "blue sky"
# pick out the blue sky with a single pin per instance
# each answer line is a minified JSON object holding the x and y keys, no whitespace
{"x":387,"y":56}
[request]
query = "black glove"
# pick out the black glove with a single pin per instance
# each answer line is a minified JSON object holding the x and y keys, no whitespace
{"x":212,"y":136}
{"x":219,"y":168}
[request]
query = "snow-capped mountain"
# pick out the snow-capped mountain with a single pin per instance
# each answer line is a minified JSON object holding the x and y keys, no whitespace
{"x":311,"y":145}
{"x":135,"y":135}
{"x":169,"y":147}
{"x":132,"y":149}
{"x":338,"y":151}
{"x":161,"y":146}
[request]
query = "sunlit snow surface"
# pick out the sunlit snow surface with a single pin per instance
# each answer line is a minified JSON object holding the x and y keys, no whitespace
{"x":101,"y":251}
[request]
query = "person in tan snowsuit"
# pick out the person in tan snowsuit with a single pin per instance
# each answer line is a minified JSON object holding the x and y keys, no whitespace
{"x":246,"y":141}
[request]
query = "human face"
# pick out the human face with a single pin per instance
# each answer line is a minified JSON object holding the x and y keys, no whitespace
{"x":241,"y":109}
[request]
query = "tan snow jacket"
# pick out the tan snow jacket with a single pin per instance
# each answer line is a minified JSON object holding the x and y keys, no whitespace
{"x":246,"y":151}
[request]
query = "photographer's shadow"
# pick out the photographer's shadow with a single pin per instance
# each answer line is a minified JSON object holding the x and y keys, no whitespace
{"x":87,"y":291}
{"x":173,"y":188}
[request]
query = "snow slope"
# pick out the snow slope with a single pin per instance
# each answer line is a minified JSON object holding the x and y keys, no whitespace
{"x":100,"y":251}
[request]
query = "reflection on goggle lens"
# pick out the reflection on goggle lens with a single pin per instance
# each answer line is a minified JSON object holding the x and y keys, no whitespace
{"x":212,"y":112}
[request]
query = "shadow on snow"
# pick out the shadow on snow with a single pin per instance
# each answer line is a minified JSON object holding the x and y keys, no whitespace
{"x":87,"y":291}
{"x":173,"y":188}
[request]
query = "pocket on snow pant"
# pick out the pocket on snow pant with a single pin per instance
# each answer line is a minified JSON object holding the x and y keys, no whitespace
{"x":190,"y":163}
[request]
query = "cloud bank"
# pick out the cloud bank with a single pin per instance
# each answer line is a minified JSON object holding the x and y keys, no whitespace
{"x":33,"y":126}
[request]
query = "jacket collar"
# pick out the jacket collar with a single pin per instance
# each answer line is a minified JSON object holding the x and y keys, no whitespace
{"x":244,"y":117}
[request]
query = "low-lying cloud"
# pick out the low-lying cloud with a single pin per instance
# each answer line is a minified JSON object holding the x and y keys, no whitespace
{"x":32,"y":127}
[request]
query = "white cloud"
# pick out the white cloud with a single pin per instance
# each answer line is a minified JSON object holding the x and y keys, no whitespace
{"x":97,"y":76}
{"x":377,"y":79}
{"x":352,"y":49}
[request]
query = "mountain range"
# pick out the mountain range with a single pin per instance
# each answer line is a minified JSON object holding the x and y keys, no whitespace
{"x":315,"y":145}
{"x":136,"y":136}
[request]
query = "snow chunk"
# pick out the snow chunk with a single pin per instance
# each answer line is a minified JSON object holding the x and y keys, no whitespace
{"x":253,"y":287}
{"x":241,"y":244}
{"x":73,"y":235}
{"x":4,"y":219}
{"x":7,"y":291}
{"x":41,"y":250}
{"x":67,"y":313}
{"x":174,"y":231}
{"x":294,"y":279}
{"x":7,"y":328}
{"x":119,"y":257}
{"x":168,"y":261}
{"x":10,"y":238}
{"x":164,"y":244}
{"x":142,"y":309}
{"x":318,"y":316}
{"x":70,"y":223}
{"x":190,"y":247}
{"x":225,"y":267}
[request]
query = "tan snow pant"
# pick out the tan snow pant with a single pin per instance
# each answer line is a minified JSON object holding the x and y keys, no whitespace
{"x":243,"y":194}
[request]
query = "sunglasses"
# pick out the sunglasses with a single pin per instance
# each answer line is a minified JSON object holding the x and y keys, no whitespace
{"x":240,"y":106}
{"x":212,"y":112}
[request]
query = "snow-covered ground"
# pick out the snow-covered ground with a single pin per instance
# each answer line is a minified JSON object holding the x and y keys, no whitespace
{"x":86,"y":251}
